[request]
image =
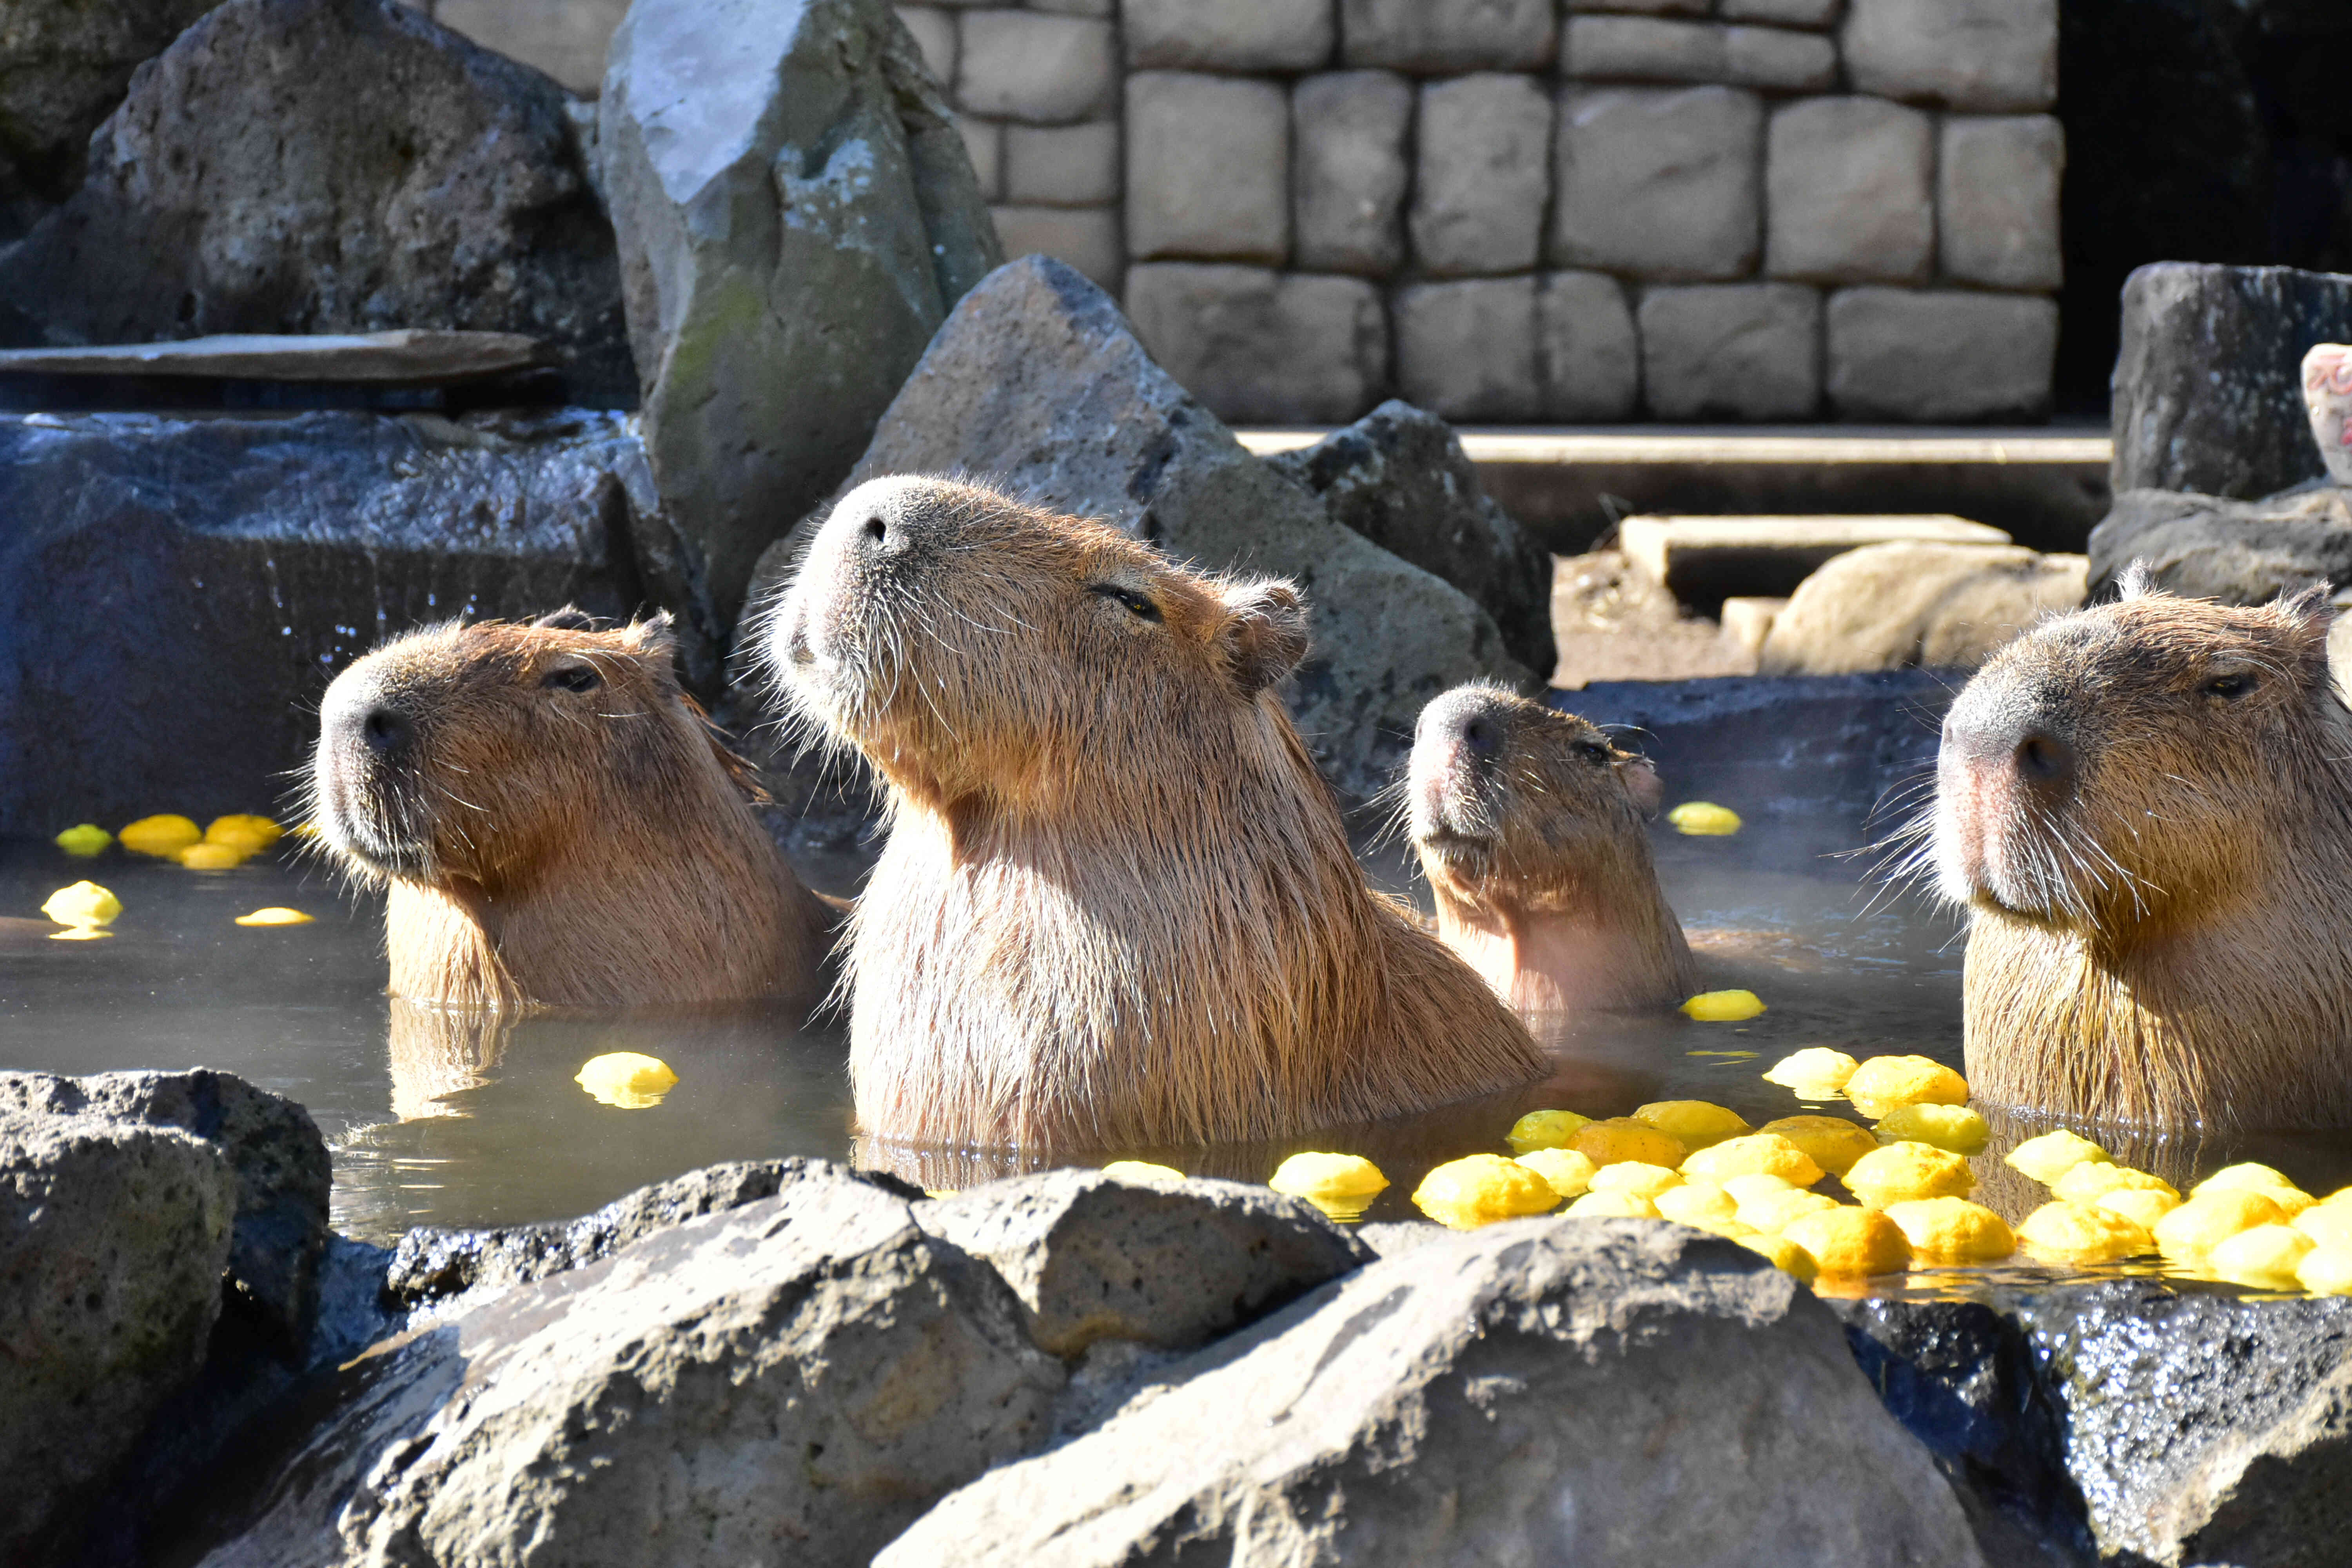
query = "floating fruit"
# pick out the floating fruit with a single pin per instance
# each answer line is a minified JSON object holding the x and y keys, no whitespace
{"x":1704,"y":819}
{"x":1614,"y":1205}
{"x":2095,"y":1179}
{"x":1480,"y":1189}
{"x":84,"y":841}
{"x":85,"y":905}
{"x":2210,"y":1218}
{"x":1952,"y":1231}
{"x":1771,"y":1212}
{"x":1768,"y":1154}
{"x":1885,"y":1084}
{"x":1634,"y":1176}
{"x":1816,"y":1072}
{"x":1748,"y":1188}
{"x":1151,"y":1176}
{"x":2061,"y":1232}
{"x":1570,"y":1173}
{"x":2325,"y":1271}
{"x":1696,"y":1122}
{"x":1341,"y":1185}
{"x":628,"y":1080}
{"x":2052,"y":1155}
{"x":1616,"y":1139}
{"x":2263,"y":1255}
{"x":2329,"y":1223}
{"x":162,"y":837}
{"x":1544,"y":1130}
{"x":244,"y":831}
{"x":1723,"y":1006}
{"x":2254,"y":1178}
{"x":201,"y":857}
{"x":1954,"y":1128}
{"x":275,"y":915}
{"x":2141,"y":1205}
{"x":1899,"y":1172}
{"x":1701,"y":1204}
{"x":1785,"y":1255}
{"x":1852,"y":1242}
{"x":1830,"y":1142}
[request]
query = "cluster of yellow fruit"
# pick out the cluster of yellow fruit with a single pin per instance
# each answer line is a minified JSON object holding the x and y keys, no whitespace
{"x":229,"y":842}
{"x":2246,"y":1224}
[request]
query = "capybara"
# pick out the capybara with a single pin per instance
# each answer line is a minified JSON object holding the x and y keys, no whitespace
{"x":1529,"y":823}
{"x":1117,"y":906}
{"x":557,"y":824}
{"x":2146,"y":806}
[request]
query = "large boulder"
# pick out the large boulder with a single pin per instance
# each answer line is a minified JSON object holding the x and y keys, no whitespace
{"x":332,"y":166}
{"x":172,"y":592}
{"x":796,"y":214}
{"x":112,"y":1237}
{"x":1400,"y":477}
{"x":2239,"y":552}
{"x":2209,"y":387}
{"x":1599,"y":1392}
{"x":1941,"y":606}
{"x":794,"y":1380}
{"x":1038,"y":382}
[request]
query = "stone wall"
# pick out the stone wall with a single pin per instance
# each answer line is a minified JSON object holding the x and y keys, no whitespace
{"x":1528,"y":210}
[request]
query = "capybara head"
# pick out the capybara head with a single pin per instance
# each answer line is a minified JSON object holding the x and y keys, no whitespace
{"x":1116,"y":907}
{"x":2148,"y":807}
{"x":1529,"y":823}
{"x":544,"y":799}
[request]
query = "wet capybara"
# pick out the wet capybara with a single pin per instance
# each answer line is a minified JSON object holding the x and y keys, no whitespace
{"x":1116,"y":907}
{"x":2146,"y":807}
{"x":1529,"y":823}
{"x":556,"y":823}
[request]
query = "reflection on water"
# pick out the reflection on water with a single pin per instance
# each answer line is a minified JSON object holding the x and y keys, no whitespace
{"x":445,"y":1119}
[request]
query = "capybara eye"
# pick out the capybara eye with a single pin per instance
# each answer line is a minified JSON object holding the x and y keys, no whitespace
{"x":1595,"y":751}
{"x":2229,"y":686}
{"x":1138,"y":603}
{"x":572,"y":677}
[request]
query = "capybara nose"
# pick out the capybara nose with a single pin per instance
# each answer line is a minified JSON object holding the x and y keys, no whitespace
{"x":386,"y":730}
{"x":2044,"y":761}
{"x":1482,"y":737}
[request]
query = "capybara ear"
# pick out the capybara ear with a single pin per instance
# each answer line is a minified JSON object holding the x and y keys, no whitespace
{"x":1264,"y":633}
{"x":656,"y":633}
{"x":2138,"y":582}
{"x":570,"y":618}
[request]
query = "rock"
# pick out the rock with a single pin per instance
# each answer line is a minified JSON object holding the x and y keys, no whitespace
{"x":332,"y":166}
{"x":1038,"y":382}
{"x":1483,"y":141}
{"x":2209,"y":389}
{"x":1704,"y":560}
{"x":1348,"y":169}
{"x":983,"y":143}
{"x":1940,"y":606}
{"x":62,"y":71}
{"x":1851,"y":191}
{"x":565,"y":38}
{"x":1207,"y":167}
{"x":1400,"y":477}
{"x":1646,"y":48}
{"x":796,"y":214}
{"x":1997,"y":200}
{"x":1790,"y":13}
{"x":1047,"y":69}
{"x":1600,"y":1391}
{"x":1661,"y":183}
{"x":1466,"y":349}
{"x":797,"y":1378}
{"x":1941,"y":356}
{"x":112,"y":1236}
{"x":1227,"y":35}
{"x":2239,"y":552}
{"x":1987,"y":55}
{"x":1736,"y":350}
{"x":1588,"y":360}
{"x":1087,"y":238}
{"x":1257,"y":344}
{"x":279,"y":1232}
{"x":172,"y":590}
{"x":1173,"y":1267}
{"x":1062,"y":166}
{"x":1443,"y":37}
{"x":376,"y":357}
{"x":1747,"y":620}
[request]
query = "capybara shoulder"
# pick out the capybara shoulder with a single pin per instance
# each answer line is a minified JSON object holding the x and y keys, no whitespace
{"x":556,"y":822}
{"x":1529,"y":823}
{"x":2146,"y":806}
{"x":1117,"y":906}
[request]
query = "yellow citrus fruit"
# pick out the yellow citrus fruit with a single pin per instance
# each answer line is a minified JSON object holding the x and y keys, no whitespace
{"x":1767,"y":1152}
{"x":1696,"y":1122}
{"x":1570,"y":1173}
{"x":2095,"y":1179}
{"x":2325,"y":1271}
{"x":1885,"y":1084}
{"x":1816,"y":1072}
{"x":1634,"y":1176}
{"x":628,"y":1080}
{"x":2254,"y":1178}
{"x":1697,"y":1202}
{"x":1953,"y":1128}
{"x":1723,"y":1006}
{"x":1146,"y":1173}
{"x":201,"y":857}
{"x":84,"y":841}
{"x":1614,"y":1205}
{"x":163,"y":837}
{"x":2208,"y":1219}
{"x":2264,"y":1256}
{"x":275,"y":915}
{"x":2329,"y":1223}
{"x":1480,"y":1189}
{"x":2141,"y":1205}
{"x":1341,"y":1185}
{"x":1831,"y":1141}
{"x":2061,"y":1232}
{"x":1952,"y":1230}
{"x":246,"y":831}
{"x":1543,"y":1129}
{"x":84,"y":904}
{"x":1901,"y":1172}
{"x":1754,"y":1185}
{"x":1703,"y":818}
{"x":2052,"y":1155}
{"x":1772,"y":1212}
{"x":1616,"y":1139}
{"x":1851,"y":1241}
{"x":1785,"y":1255}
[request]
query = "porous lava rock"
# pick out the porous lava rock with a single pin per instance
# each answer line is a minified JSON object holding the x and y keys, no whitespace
{"x":2238,"y":553}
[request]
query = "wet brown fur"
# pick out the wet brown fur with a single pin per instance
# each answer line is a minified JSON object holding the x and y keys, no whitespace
{"x":1539,"y":857}
{"x":1116,"y":907}
{"x":2166,"y":945}
{"x":545,"y":847}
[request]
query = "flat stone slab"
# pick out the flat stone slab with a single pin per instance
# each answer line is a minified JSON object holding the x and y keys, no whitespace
{"x":403,"y":357}
{"x":1703,"y":560}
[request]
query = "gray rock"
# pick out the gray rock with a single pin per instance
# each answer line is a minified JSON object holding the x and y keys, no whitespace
{"x":983,"y":143}
{"x":112,"y":1236}
{"x":1603,"y":1392}
{"x":1088,"y":239}
{"x":1850,"y":185}
{"x":1170,"y":1266}
{"x":1652,"y":48}
{"x":251,"y":559}
{"x":1442,"y":37}
{"x":796,"y":214}
{"x":62,"y":71}
{"x":1997,"y":200}
{"x":1662,"y":182}
{"x":279,"y":1231}
{"x":1940,"y":606}
{"x":1257,"y":344}
{"x":1062,"y":166}
{"x":1037,"y":381}
{"x":1207,"y":167}
{"x":1940,"y":356}
{"x":1987,"y":55}
{"x":1227,"y":35}
{"x":1739,"y":351}
{"x":1588,"y":357}
{"x":1478,"y":199}
{"x":1400,"y":477}
{"x":1046,"y":69}
{"x":332,"y":166}
{"x":565,"y":38}
{"x":795,"y":1379}
{"x":1348,"y":173}
{"x":2209,"y":386}
{"x":2239,"y":552}
{"x":1466,"y":349}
